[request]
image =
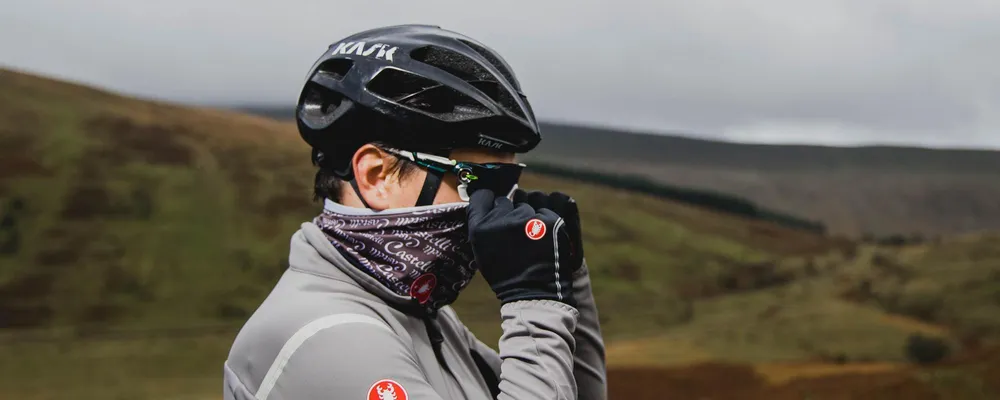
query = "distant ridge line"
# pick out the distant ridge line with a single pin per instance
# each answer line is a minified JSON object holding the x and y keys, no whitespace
{"x":713,"y":200}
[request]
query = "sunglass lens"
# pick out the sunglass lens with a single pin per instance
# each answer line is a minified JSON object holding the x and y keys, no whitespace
{"x":499,"y":178}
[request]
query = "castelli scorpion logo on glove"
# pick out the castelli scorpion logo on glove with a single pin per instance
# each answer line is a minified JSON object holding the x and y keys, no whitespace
{"x":535,"y":229}
{"x":386,"y":389}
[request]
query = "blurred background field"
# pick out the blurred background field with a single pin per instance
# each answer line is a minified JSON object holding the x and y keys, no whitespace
{"x":137,"y":236}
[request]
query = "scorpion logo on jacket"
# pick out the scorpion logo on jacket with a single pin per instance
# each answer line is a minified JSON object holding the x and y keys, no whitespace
{"x":386,"y":389}
{"x":388,"y":394}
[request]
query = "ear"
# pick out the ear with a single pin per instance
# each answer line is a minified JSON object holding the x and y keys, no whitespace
{"x":371,"y":173}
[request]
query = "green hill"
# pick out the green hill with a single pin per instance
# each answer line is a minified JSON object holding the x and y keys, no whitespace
{"x":119,"y":206}
{"x":137,"y":236}
{"x":875,"y":189}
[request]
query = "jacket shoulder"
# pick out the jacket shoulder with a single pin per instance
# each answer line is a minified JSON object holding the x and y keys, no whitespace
{"x":298,"y":312}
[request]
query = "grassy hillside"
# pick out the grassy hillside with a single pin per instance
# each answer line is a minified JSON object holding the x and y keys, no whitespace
{"x":135,"y":238}
{"x":879,"y":189}
{"x":117,"y":207}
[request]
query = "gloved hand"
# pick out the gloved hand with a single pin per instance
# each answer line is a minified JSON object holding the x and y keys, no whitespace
{"x":523,"y":252}
{"x":566,"y":207}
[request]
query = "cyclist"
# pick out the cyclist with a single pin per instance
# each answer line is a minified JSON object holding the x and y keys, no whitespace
{"x":414,"y":130}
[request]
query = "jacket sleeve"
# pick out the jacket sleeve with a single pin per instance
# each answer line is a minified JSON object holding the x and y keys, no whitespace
{"x":536,"y":350}
{"x":589,"y":367}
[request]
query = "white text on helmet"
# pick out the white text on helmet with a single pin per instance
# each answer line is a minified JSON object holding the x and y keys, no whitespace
{"x":492,"y":143}
{"x":385,"y":52}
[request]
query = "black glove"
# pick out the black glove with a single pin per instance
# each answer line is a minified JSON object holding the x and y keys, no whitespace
{"x":566,"y":207}
{"x":521,"y":251}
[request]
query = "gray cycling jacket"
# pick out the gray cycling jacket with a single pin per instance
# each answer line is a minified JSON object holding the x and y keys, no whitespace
{"x":329,"y":331}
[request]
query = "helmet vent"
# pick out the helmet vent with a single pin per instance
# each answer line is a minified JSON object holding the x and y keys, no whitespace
{"x":336,"y":68}
{"x":500,"y":95}
{"x":470,"y":71}
{"x":492,"y":58}
{"x":395,"y":84}
{"x":454,"y":63}
{"x":425,"y":95}
{"x":319,"y":106}
{"x":447,"y":104}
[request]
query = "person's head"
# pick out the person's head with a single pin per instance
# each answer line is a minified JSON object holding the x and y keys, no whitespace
{"x":413,"y":115}
{"x":387,"y":180}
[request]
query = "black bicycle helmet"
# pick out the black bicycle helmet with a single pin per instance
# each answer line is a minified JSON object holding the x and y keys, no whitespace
{"x":416,"y":87}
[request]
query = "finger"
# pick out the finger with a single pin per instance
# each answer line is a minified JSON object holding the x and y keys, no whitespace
{"x":523,"y":212}
{"x":480,"y":204}
{"x":538,"y":200}
{"x":501,"y":207}
{"x":559,"y":202}
{"x":528,"y":197}
{"x":502,"y":202}
{"x":519,"y":196}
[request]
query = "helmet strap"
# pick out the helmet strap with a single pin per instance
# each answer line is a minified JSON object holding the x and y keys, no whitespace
{"x":354,"y":184}
{"x":427,"y":193}
{"x":431,"y":184}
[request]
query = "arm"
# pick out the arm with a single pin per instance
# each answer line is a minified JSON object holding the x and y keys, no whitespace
{"x":536,"y":350}
{"x":589,"y":368}
{"x":544,"y":268}
{"x":589,"y":360}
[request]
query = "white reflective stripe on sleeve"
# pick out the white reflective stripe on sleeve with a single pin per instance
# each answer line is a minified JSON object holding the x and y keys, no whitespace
{"x":300,"y":337}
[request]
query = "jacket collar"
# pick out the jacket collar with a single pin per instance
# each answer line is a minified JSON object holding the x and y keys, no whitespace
{"x":312,"y":252}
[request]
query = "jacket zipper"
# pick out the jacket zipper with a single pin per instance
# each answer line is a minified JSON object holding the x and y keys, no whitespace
{"x":437,"y":340}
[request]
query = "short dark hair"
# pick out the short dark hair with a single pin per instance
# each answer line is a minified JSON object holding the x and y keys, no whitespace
{"x":327,"y":185}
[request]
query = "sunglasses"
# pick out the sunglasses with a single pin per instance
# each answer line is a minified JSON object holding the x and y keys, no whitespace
{"x":498,"y":177}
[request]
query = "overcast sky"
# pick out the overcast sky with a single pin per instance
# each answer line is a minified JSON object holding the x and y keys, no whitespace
{"x":819,"y":71}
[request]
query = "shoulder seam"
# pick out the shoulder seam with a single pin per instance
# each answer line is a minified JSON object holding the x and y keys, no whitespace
{"x":300,"y":337}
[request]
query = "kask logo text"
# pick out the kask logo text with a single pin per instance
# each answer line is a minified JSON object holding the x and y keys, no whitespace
{"x":381,"y":51}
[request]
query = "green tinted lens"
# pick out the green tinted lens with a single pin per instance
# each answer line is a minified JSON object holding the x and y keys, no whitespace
{"x":498,"y":177}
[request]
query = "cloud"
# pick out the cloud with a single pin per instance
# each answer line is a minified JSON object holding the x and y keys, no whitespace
{"x":849,"y":71}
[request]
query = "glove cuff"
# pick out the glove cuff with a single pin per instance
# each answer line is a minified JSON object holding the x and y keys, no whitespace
{"x":538,"y":282}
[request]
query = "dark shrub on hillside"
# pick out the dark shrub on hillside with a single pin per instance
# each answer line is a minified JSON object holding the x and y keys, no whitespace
{"x":10,"y":239}
{"x":231,"y":311}
{"x":889,"y":266}
{"x":754,"y":276}
{"x":16,"y":205}
{"x":810,"y":267}
{"x":893,"y":240}
{"x":923,"y":299}
{"x":926,"y":349}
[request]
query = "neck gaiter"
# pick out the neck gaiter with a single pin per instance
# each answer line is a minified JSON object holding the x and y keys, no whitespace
{"x":420,"y":252}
